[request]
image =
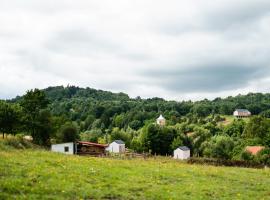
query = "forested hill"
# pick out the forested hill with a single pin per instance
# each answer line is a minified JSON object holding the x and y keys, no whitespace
{"x":107,"y":109}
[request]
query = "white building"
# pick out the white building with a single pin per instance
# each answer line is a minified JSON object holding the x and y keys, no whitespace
{"x":181,"y":153}
{"x":161,"y":121}
{"x":117,"y":146}
{"x":67,"y":148}
{"x":241,"y":113}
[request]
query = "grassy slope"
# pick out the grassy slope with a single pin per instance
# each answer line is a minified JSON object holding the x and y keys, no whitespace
{"x":37,"y":174}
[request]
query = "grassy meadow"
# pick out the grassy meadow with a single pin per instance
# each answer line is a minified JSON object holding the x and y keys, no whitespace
{"x":39,"y":174}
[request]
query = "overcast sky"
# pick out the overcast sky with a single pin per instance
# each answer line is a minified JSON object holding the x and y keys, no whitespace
{"x":176,"y":49}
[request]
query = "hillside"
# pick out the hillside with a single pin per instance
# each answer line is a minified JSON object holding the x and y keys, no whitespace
{"x":37,"y":174}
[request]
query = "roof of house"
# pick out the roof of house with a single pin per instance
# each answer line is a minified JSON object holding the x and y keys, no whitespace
{"x":119,"y":141}
{"x":161,"y":117}
{"x":254,"y":149}
{"x":183,"y":148}
{"x":92,"y":144}
{"x":242,"y":110}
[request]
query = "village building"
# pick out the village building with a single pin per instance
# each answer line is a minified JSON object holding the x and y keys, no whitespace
{"x":161,"y":121}
{"x":80,"y":148}
{"x":241,"y":113}
{"x":66,"y":148}
{"x":254,"y":150}
{"x":181,"y":153}
{"x":117,"y":146}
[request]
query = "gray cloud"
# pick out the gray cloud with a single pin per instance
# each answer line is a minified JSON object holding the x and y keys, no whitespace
{"x":175,"y":50}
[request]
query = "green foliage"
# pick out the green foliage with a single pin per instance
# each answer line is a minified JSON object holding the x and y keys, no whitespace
{"x":68,"y":133}
{"x":9,"y":117}
{"x":91,"y":136}
{"x":218,"y":147}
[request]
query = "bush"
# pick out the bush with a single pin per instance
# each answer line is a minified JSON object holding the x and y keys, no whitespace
{"x":16,"y":143}
{"x":231,"y":163}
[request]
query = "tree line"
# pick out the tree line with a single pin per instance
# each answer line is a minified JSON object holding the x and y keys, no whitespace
{"x":60,"y":114}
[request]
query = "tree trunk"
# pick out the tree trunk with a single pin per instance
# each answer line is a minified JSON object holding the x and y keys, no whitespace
{"x":3,"y":135}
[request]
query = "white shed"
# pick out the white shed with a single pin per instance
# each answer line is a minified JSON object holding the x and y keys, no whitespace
{"x":181,"y":153}
{"x":67,"y":148}
{"x":117,"y":146}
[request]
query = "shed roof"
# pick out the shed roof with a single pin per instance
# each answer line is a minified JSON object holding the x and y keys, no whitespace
{"x":92,"y":144}
{"x":254,"y":149}
{"x":119,"y":141}
{"x":161,"y":117}
{"x":183,"y":148}
{"x":242,"y":110}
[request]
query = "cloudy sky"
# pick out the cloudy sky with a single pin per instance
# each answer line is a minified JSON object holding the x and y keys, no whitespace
{"x":176,"y":49}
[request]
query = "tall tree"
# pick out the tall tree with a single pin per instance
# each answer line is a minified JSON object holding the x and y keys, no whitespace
{"x":9,"y":117}
{"x":33,"y":102}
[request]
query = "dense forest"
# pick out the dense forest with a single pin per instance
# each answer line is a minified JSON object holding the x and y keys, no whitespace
{"x":61,"y":114}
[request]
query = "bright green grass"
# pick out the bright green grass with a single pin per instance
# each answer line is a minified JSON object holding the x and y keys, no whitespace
{"x":37,"y":174}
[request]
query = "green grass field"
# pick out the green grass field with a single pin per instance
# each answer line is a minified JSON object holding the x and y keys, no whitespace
{"x":38,"y":174}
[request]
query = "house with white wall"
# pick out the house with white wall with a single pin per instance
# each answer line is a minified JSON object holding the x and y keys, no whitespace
{"x":181,"y":153}
{"x":117,"y":146}
{"x":161,"y":121}
{"x":241,"y":113}
{"x":66,"y":148}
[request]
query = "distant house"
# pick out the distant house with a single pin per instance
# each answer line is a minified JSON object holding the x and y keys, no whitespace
{"x":181,"y":153}
{"x":254,"y":149}
{"x":117,"y":146}
{"x":241,"y":113}
{"x":161,"y":121}
{"x":80,"y":148}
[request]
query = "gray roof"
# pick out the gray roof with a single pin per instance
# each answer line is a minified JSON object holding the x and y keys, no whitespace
{"x":242,"y":110}
{"x":119,"y":141}
{"x":184,"y":148}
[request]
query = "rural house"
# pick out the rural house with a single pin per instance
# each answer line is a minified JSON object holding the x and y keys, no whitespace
{"x":117,"y":146}
{"x":254,"y":149}
{"x":80,"y":148}
{"x":241,"y":113}
{"x":181,"y":153}
{"x":161,"y":121}
{"x":67,"y":148}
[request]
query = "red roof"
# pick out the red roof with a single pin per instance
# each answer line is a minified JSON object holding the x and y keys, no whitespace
{"x":254,"y":149}
{"x":92,"y":144}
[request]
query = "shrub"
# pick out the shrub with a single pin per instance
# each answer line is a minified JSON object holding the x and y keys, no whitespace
{"x":231,"y":163}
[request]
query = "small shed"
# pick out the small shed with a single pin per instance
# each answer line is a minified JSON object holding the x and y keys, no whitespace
{"x":117,"y":146}
{"x":67,"y":148}
{"x":241,"y":113}
{"x":254,"y":150}
{"x":181,"y":153}
{"x":161,"y":121}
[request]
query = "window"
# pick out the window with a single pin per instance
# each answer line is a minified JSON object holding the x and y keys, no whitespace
{"x":66,"y":149}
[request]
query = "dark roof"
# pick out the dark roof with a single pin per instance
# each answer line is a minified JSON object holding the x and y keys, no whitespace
{"x":119,"y":141}
{"x":92,"y":144}
{"x":184,"y":148}
{"x":242,"y":110}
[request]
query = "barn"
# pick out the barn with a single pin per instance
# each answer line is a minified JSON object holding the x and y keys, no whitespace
{"x":117,"y":146}
{"x":80,"y":148}
{"x":90,"y":148}
{"x":181,"y":153}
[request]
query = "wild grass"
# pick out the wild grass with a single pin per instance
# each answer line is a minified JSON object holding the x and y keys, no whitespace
{"x":39,"y":174}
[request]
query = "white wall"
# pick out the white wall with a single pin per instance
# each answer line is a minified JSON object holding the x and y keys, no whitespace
{"x":61,"y":148}
{"x":116,"y":148}
{"x":180,"y":154}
